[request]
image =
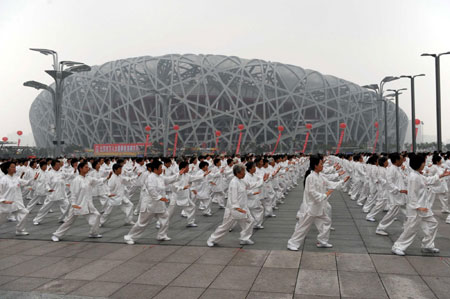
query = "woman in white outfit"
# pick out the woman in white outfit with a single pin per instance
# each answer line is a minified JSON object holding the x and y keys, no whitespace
{"x":11,"y":197}
{"x":314,"y":207}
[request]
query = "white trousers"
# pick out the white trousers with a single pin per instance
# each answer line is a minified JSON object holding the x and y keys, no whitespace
{"x":322,"y":223}
{"x":35,"y":200}
{"x":389,"y":218}
{"x":257,"y":211}
{"x":144,"y":219}
{"x":48,"y":204}
{"x":377,"y":208}
{"x":126,"y":206}
{"x":21,"y":216}
{"x":219,"y":197}
{"x":228,"y":222}
{"x":427,"y":224}
{"x":93,"y":219}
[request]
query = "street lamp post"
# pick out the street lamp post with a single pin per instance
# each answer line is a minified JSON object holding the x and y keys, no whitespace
{"x":379,"y":91}
{"x":58,"y":74}
{"x":413,"y":109}
{"x":438,"y":96}
{"x":397,"y":92}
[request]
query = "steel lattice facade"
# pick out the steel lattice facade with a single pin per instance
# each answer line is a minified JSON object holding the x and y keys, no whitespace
{"x":114,"y":102}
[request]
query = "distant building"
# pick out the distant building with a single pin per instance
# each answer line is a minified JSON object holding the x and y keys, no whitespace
{"x":114,"y":102}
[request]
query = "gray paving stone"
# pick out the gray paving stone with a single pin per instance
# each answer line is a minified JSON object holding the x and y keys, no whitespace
{"x":223,"y":294}
{"x":392,"y":264}
{"x":98,"y":289}
{"x":275,"y":280}
{"x":249,"y":258}
{"x":161,"y":274}
{"x":180,"y":292}
{"x":30,"y":266}
{"x":406,"y":286}
{"x":361,"y":285}
{"x":98,"y":251}
{"x":217,"y":256}
{"x":266,"y":295}
{"x":318,"y":261}
{"x":125,"y":272}
{"x":317,"y":282}
{"x":154,"y":254}
{"x":439,"y":285}
{"x":61,"y":286}
{"x":236,"y":278}
{"x":126,"y":253}
{"x":300,"y":296}
{"x":60,"y":268}
{"x":24,"y":246}
{"x":186,"y":255}
{"x":283,"y":259}
{"x":70,"y":250}
{"x":136,"y":291}
{"x":45,"y":248}
{"x":354,"y":262}
{"x":92,"y":270}
{"x":5,"y":243}
{"x":431,"y":266}
{"x":13,"y":260}
{"x":198,"y":276}
{"x":24,"y":284}
{"x":4,"y":279}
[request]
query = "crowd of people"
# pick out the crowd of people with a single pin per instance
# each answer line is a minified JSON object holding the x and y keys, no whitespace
{"x":394,"y":183}
{"x":248,"y":188}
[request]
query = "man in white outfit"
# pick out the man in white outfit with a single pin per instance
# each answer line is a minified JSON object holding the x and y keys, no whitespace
{"x":236,"y":210}
{"x":419,"y":210}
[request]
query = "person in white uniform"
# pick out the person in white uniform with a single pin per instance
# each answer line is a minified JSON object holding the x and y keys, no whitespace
{"x":57,"y":194}
{"x":118,"y":196}
{"x":153,"y":205}
{"x":314,"y":207}
{"x":397,"y":192}
{"x":81,"y":203}
{"x":236,"y":210}
{"x":418,"y":209}
{"x":11,"y":201}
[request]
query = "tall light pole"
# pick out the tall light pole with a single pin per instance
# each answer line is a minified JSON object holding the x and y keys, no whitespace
{"x":58,"y":74}
{"x":379,"y":91}
{"x":413,"y":109}
{"x":438,"y":95}
{"x":397,"y":92}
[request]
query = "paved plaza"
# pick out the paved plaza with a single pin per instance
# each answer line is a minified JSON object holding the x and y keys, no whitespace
{"x":359,"y":265}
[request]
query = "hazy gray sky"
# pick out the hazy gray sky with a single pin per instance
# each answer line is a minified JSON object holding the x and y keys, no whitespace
{"x":358,"y":40}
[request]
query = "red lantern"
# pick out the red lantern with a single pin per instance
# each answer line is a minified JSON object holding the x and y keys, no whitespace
{"x":19,"y":133}
{"x":309,"y":126}
{"x":417,"y":121}
{"x":241,"y":127}
{"x":218,"y":133}
{"x":5,"y":139}
{"x":376,"y":124}
{"x":280,"y":128}
{"x":176,"y":127}
{"x":148,"y":128}
{"x":343,"y":126}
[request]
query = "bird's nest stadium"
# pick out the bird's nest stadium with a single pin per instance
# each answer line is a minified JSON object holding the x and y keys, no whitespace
{"x":203,"y":94}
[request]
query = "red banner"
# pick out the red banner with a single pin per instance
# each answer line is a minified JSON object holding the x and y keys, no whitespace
{"x":376,"y":140}
{"x":306,"y":142}
{"x":118,"y":149}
